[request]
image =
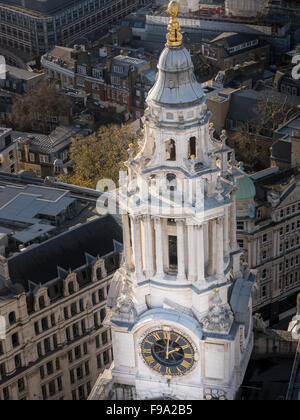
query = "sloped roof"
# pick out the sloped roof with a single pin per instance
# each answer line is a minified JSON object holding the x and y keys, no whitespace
{"x":67,"y":251}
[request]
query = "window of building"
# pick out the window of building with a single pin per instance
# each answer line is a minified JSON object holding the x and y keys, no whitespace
{"x":264,"y":256}
{"x":192,"y":147}
{"x":71,"y":287}
{"x":75,"y":330}
{"x":45,"y":325}
{"x":52,"y":388}
{"x":21,"y":385}
{"x":104,"y":338}
{"x":49,"y":367}
{"x":39,"y":350}
{"x":68,"y":334}
{"x":173,"y":259}
{"x":47,"y":345}
{"x":101,"y":295}
{"x":44,"y":159}
{"x":15,"y":340}
{"x":66,"y":312}
{"x":18,"y":361}
{"x":241,"y":243}
{"x":106,"y":357}
{"x":77,"y":352}
{"x":99,"y":361}
{"x":42,"y":302}
{"x":52,"y":317}
{"x":73,"y":309}
{"x":12,"y":318}
{"x":42,"y":372}
{"x":240,"y":225}
{"x":171,"y":150}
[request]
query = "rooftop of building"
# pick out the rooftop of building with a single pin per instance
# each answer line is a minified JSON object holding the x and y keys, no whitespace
{"x":30,"y":204}
{"x":31,"y":210}
{"x":62,"y":56}
{"x":22,"y":74}
{"x":57,"y":140}
{"x":243,"y":106}
{"x":39,"y":8}
{"x":68,"y":251}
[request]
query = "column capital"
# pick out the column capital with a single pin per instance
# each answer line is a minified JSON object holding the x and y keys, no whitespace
{"x":220,"y":219}
{"x":135,"y":219}
{"x":180,"y":221}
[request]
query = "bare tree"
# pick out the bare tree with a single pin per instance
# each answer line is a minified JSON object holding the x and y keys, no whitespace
{"x":253,"y":138}
{"x":35,"y":110}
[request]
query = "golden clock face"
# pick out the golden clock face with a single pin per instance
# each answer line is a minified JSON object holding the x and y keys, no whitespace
{"x":168,"y":353}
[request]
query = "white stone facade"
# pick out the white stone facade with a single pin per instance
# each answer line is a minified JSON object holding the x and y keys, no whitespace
{"x":182,"y":271}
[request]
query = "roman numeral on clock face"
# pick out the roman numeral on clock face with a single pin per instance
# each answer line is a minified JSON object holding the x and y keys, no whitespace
{"x":149,"y":359}
{"x":156,"y":336}
{"x":186,"y":364}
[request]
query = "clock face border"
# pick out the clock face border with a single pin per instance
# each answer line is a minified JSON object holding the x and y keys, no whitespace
{"x":156,"y":366}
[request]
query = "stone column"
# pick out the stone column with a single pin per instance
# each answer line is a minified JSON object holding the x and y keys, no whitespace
{"x":258,"y":250}
{"x":233,"y":241}
{"x":126,"y":241}
{"x":212,"y":247}
{"x":200,"y":254}
{"x":226,"y":233}
{"x":180,"y":250}
{"x":159,"y":247}
{"x":249,"y":246}
{"x":192,"y":254}
{"x":219,"y":248}
{"x":148,"y":246}
{"x":136,"y":237}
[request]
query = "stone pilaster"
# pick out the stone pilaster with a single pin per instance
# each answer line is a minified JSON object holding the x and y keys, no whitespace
{"x":219,"y":248}
{"x":136,"y":237}
{"x":126,"y":241}
{"x":159,"y":247}
{"x":191,"y":253}
{"x":180,"y":250}
{"x":200,"y":255}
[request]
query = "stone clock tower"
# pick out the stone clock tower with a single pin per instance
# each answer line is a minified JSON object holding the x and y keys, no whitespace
{"x":180,"y":306}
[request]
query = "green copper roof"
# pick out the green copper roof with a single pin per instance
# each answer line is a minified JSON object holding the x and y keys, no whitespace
{"x":246,"y":189}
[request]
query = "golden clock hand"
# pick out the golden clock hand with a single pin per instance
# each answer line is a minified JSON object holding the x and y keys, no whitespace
{"x":168,"y":344}
{"x":172,"y":351}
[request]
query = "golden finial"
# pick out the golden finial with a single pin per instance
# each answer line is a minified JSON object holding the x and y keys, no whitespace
{"x":174,"y":37}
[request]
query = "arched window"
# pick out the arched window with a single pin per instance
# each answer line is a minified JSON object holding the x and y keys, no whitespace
{"x":12,"y":318}
{"x":192,"y":147}
{"x":171,"y":182}
{"x":171,"y":150}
